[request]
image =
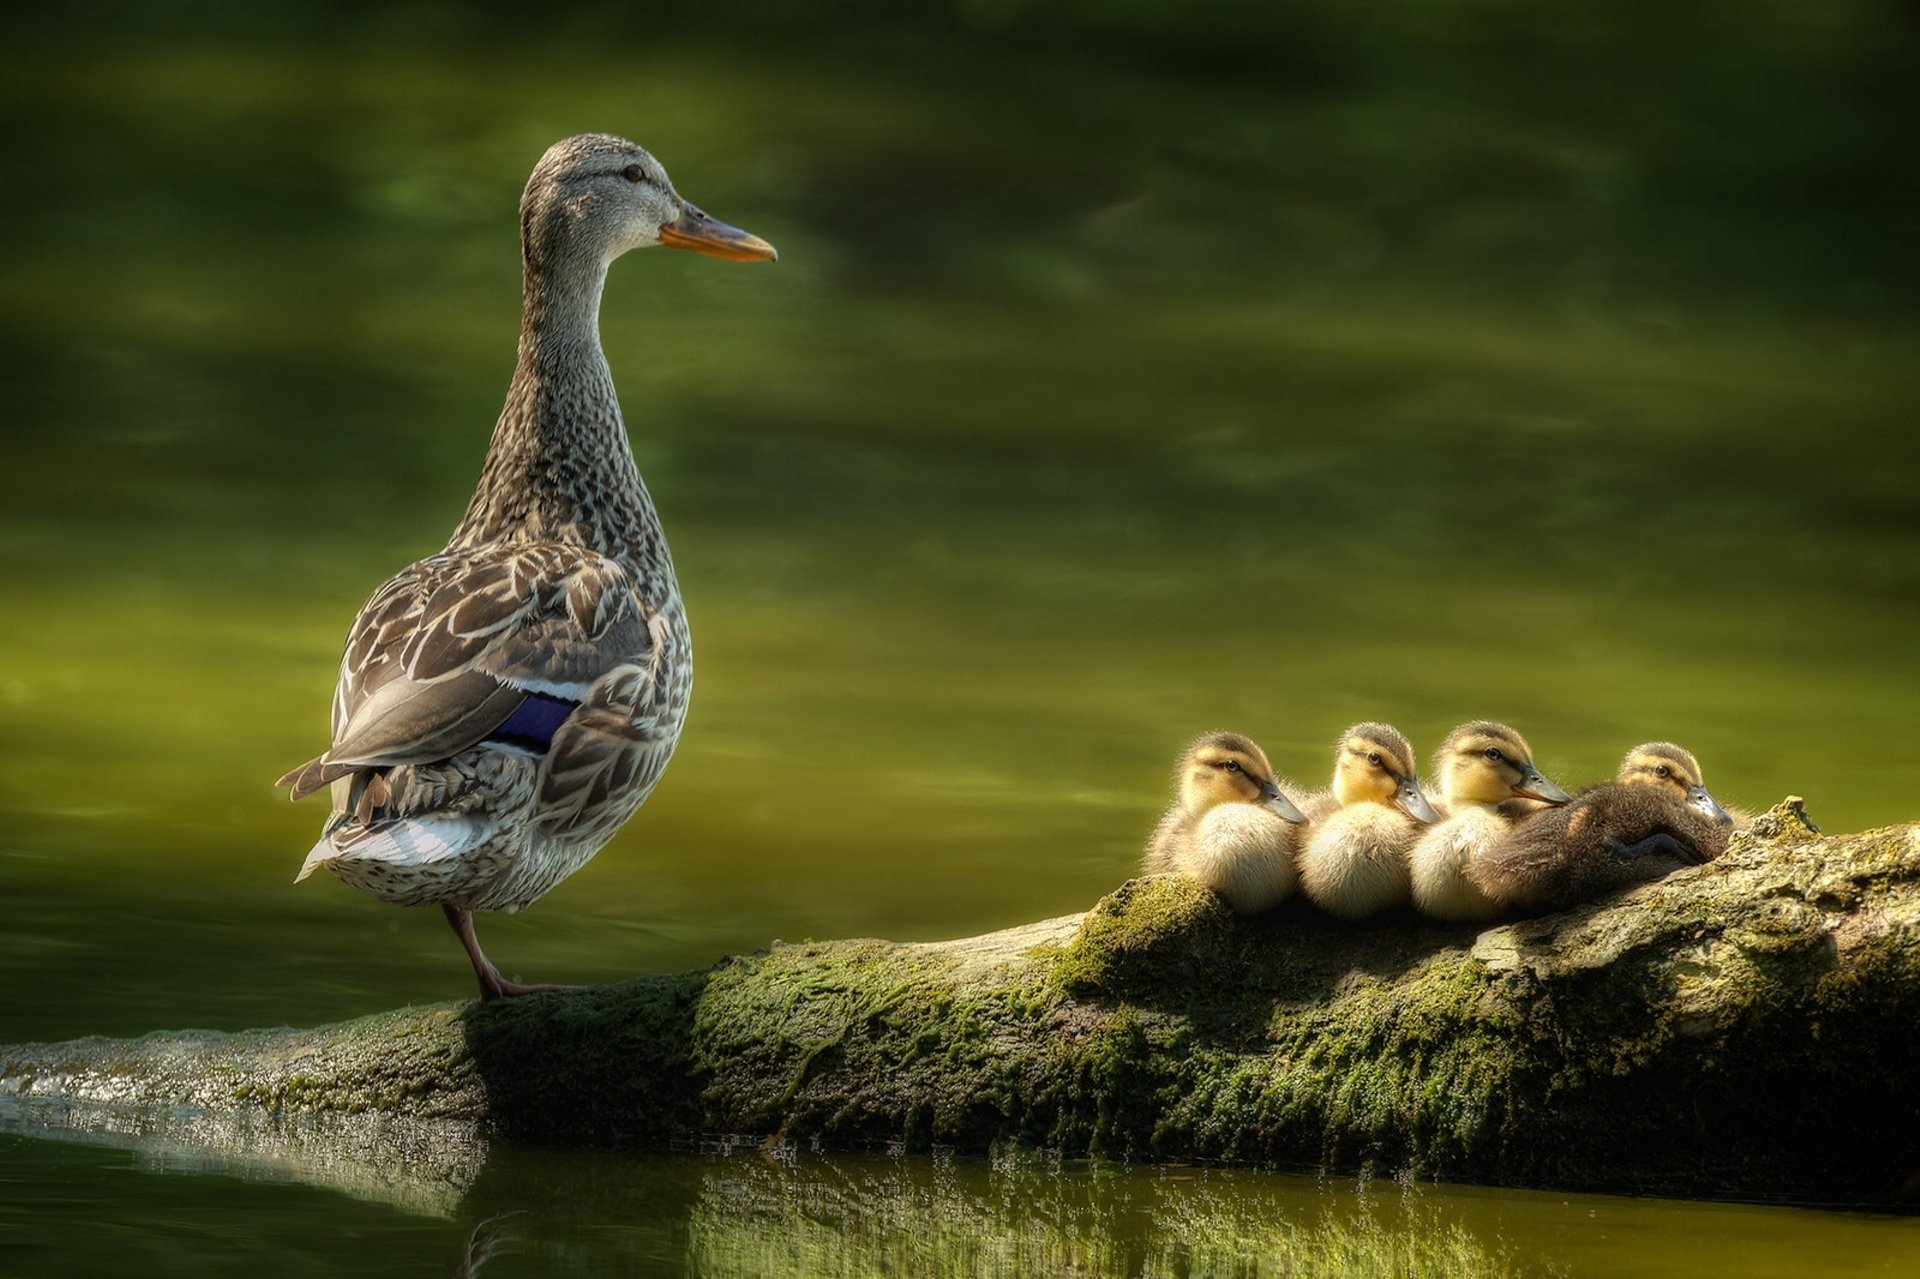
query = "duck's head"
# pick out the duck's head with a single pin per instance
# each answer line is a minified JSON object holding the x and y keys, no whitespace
{"x":1672,"y":769}
{"x":1227,"y":768}
{"x":593,"y":196}
{"x":1373,"y":764}
{"x":1487,"y":763}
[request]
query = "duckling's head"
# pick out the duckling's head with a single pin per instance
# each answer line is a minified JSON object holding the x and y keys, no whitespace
{"x":1373,"y":764}
{"x":1227,"y":768}
{"x":1672,"y":769}
{"x":1486,"y":763}
{"x":593,"y":196}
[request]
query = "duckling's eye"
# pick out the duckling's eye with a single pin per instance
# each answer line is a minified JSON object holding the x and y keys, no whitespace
{"x":1663,"y":771}
{"x":1493,"y":753}
{"x":634,"y":173}
{"x":1232,"y":766}
{"x":1373,"y":757}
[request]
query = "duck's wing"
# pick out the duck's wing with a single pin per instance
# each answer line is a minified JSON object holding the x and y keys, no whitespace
{"x":610,"y":746}
{"x":450,"y":649}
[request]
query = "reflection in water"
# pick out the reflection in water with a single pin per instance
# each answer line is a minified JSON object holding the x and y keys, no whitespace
{"x":807,"y":1216}
{"x":488,"y":1236}
{"x":734,"y":1208}
{"x":418,"y":1166}
{"x":441,"y":1202}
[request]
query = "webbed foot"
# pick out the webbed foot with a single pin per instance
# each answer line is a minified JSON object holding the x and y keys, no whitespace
{"x":492,"y":984}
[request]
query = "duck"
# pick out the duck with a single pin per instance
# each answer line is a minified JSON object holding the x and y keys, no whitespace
{"x":504,"y":705}
{"x":1353,"y":861}
{"x":1657,"y":816}
{"x":1482,"y":765}
{"x":1231,"y":826}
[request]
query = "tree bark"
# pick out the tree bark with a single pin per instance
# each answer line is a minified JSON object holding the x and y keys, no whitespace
{"x":1744,"y":1028}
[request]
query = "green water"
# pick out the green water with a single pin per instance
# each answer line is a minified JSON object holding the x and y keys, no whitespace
{"x":1128,"y":371}
{"x":721,"y":1212}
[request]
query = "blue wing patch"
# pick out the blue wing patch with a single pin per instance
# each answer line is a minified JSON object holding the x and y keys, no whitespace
{"x":534,"y":722}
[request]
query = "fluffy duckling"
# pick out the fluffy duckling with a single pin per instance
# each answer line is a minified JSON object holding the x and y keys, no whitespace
{"x":1655,"y":818}
{"x":1482,"y":765}
{"x":1231,"y":827}
{"x":1354,"y":862}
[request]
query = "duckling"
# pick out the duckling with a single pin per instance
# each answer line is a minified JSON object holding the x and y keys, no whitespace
{"x":1354,"y":862}
{"x":1654,"y":819}
{"x":1231,"y":826}
{"x":1482,"y":765}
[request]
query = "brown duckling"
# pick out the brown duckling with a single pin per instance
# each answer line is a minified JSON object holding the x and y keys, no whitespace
{"x":1482,"y":765}
{"x":1654,"y":819}
{"x":1354,"y":860}
{"x":1230,"y":827}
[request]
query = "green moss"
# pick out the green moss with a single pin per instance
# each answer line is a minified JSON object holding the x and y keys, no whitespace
{"x":1149,"y":935}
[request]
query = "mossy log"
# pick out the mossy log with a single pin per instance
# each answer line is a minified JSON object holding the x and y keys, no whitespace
{"x":1745,"y":1028}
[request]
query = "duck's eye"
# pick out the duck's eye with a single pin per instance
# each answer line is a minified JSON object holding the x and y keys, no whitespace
{"x":1493,"y":753}
{"x":1663,"y":771}
{"x":1373,"y":757}
{"x":634,"y":173}
{"x":1232,"y":766}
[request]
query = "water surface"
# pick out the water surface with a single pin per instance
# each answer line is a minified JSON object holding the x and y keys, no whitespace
{"x":741,"y":1210}
{"x":1123,"y":376}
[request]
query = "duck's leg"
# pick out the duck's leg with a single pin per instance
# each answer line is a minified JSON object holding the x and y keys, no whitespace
{"x":492,"y":984}
{"x":1658,"y":842}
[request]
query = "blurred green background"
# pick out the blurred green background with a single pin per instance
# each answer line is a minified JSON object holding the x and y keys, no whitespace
{"x":1131,"y":369}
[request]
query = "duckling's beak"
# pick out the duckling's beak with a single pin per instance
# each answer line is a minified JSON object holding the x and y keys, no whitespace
{"x":695,"y":230}
{"x":1278,"y":804}
{"x":1413,"y":803}
{"x":1703,"y":800}
{"x":1533,"y":784}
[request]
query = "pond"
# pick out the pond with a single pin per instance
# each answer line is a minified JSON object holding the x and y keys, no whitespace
{"x":1121,"y":377}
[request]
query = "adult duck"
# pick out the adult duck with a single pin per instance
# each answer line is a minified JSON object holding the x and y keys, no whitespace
{"x":506,"y":704}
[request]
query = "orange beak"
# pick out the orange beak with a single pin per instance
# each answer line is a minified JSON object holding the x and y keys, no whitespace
{"x":695,"y":230}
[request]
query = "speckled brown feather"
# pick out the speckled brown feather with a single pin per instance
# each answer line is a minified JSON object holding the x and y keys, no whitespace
{"x":1558,"y":857}
{"x":1553,"y":859}
{"x":557,"y":581}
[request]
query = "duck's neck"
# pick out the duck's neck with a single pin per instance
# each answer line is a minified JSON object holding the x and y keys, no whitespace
{"x":1462,"y":804}
{"x":559,"y":467}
